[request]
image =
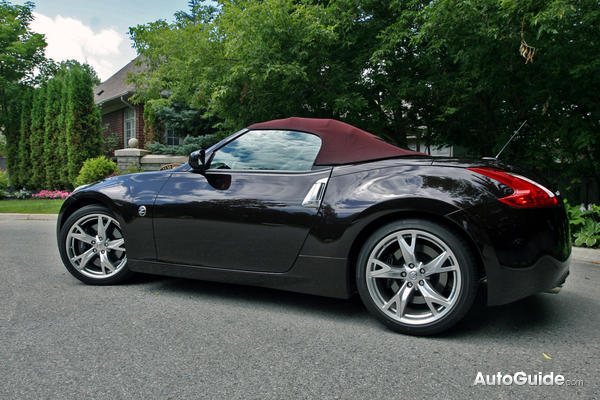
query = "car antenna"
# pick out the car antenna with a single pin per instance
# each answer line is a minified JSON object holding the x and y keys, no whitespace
{"x":510,"y":140}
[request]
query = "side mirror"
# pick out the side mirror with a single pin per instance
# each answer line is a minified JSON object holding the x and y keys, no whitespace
{"x":197,"y":160}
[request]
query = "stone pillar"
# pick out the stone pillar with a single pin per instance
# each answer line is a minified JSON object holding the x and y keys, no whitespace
{"x":129,"y":158}
{"x":153,"y":162}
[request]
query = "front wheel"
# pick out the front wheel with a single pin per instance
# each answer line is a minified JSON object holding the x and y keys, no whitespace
{"x":416,"y":276}
{"x":92,"y":246}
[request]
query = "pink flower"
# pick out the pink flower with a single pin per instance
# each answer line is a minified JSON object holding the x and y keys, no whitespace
{"x":47,"y":194}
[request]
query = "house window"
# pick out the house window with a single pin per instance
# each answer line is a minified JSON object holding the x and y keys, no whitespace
{"x":129,"y":127}
{"x":171,"y":138}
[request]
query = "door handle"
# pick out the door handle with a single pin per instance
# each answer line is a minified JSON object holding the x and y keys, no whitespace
{"x":315,"y":195}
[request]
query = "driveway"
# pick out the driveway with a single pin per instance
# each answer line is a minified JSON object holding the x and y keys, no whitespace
{"x":171,"y":338}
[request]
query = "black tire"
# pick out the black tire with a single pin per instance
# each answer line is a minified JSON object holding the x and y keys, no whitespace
{"x":462,"y":261}
{"x":119,"y":275}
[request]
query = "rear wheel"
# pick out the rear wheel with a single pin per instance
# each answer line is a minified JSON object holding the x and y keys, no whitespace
{"x":92,"y":246}
{"x":416,"y":276}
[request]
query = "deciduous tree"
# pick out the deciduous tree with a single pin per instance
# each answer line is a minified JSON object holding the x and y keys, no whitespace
{"x":21,"y":51}
{"x":457,"y":72}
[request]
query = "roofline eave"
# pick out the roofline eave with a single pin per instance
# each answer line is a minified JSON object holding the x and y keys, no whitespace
{"x":116,"y":97}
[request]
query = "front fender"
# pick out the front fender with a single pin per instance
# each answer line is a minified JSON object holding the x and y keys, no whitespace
{"x":123,"y":195}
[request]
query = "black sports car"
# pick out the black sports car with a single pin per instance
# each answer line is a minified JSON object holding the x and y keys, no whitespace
{"x":319,"y":206}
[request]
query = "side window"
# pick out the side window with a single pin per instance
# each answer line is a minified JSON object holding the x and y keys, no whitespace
{"x":270,"y":150}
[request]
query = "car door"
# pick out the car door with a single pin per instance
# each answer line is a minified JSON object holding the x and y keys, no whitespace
{"x":251,"y":210}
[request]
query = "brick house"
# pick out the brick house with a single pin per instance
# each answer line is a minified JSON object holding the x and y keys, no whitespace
{"x":118,"y":114}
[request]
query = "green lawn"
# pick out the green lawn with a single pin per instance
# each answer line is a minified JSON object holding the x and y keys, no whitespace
{"x":33,"y":206}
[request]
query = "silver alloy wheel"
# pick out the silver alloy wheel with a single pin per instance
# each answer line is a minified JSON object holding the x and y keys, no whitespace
{"x":413,"y":277}
{"x":95,"y":246}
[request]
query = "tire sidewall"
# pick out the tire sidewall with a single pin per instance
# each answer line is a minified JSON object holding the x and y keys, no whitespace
{"x":467,"y":267}
{"x":119,"y":277}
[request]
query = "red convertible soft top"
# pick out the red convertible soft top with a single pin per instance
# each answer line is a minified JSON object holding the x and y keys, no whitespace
{"x":341,"y":143}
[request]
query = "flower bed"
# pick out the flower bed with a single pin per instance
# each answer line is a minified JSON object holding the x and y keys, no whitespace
{"x":51,"y":194}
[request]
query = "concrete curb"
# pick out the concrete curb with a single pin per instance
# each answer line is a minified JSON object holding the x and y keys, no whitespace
{"x":579,"y":253}
{"x":586,"y":255}
{"x":31,"y":217}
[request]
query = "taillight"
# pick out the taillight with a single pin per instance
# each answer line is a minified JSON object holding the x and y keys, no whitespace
{"x":526,"y":193}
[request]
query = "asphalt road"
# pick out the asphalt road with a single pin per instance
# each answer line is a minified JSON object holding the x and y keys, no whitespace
{"x":172,"y":338}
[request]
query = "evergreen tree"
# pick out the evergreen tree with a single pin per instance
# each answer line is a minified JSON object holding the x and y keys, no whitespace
{"x":82,"y":120}
{"x":11,"y":131}
{"x":24,"y":156}
{"x":62,"y":154}
{"x":36,"y":139}
{"x":52,"y":158}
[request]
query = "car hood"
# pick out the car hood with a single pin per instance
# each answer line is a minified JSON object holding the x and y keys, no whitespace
{"x":132,"y":188}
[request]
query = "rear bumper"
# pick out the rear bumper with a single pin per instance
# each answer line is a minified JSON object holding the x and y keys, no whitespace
{"x":524,"y":251}
{"x":506,"y":285}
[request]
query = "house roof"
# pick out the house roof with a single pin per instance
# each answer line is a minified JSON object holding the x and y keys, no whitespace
{"x":341,"y":143}
{"x":115,"y":86}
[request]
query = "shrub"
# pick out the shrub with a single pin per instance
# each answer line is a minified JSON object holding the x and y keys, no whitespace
{"x":110,"y":141}
{"x":584,"y":225}
{"x":21,"y":194}
{"x":3,"y":180}
{"x":589,"y":234}
{"x":5,"y":193}
{"x":190,"y":143}
{"x":95,"y":169}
